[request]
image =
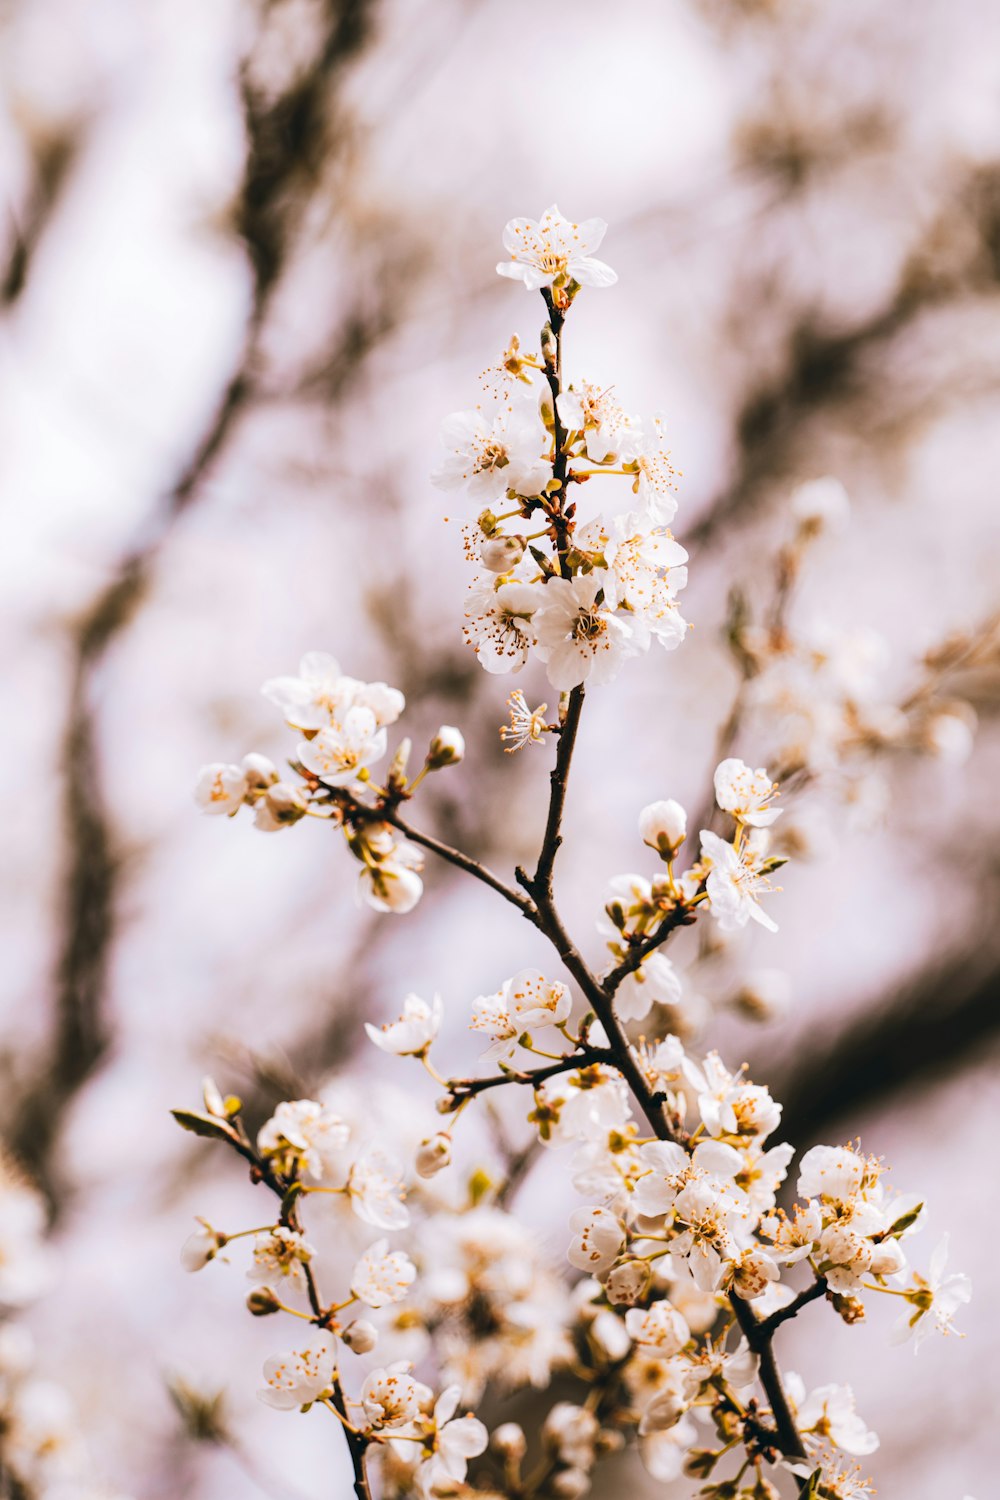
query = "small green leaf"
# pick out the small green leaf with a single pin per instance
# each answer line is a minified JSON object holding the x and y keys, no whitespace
{"x":204,"y":1125}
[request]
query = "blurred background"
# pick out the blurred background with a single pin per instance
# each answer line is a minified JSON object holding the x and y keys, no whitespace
{"x":246,"y":266}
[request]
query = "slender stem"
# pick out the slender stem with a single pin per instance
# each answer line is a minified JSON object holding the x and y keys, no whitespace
{"x":818,"y":1289}
{"x":681,"y":916}
{"x":466,"y":1088}
{"x":462,"y":862}
{"x":558,"y":782}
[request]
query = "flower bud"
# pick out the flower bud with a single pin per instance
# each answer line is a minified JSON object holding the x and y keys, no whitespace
{"x":433,"y":1155}
{"x":446,"y":748}
{"x":259,"y":771}
{"x":700,"y":1462}
{"x":262,"y":1302}
{"x":502,"y":553}
{"x":851,"y":1309}
{"x":509,"y":1441}
{"x":887,"y":1258}
{"x":663,"y":826}
{"x":487,"y":522}
{"x":361,"y":1336}
{"x":212,"y":1096}
{"x":950,"y":736}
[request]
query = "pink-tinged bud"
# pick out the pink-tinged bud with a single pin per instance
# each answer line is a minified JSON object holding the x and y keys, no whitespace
{"x":433,"y":1155}
{"x":446,"y":748}
{"x":663,"y":826}
{"x":501,"y":554}
{"x":360,"y":1336}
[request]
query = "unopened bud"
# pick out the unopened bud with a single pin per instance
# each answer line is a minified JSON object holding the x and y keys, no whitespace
{"x":433,"y":1155}
{"x":663,"y":826}
{"x":700,"y":1462}
{"x":361,"y":1336}
{"x":399,"y":762}
{"x":262,"y":1302}
{"x":258,"y":770}
{"x":509,"y":1441}
{"x":446,"y":748}
{"x":502,"y":553}
{"x":214,"y":1102}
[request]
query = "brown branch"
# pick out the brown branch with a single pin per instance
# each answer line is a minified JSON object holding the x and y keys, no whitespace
{"x":818,"y":1289}
{"x":458,"y":859}
{"x":467,"y":1088}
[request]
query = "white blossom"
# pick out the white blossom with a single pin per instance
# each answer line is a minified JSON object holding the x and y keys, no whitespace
{"x":609,"y":434}
{"x":279,"y":1256}
{"x":734,"y":882}
{"x":552,"y":247}
{"x":415,"y":1029}
{"x":300,"y":1376}
{"x":303,"y":1138}
{"x":343,"y":749}
{"x":382,"y":1276}
{"x":829,"y":1412}
{"x":663,"y":826}
{"x":579,"y":638}
{"x":321,"y":695}
{"x":599,"y":1238}
{"x":489,"y":452}
{"x":500,"y":622}
{"x":745,"y":793}
{"x":455,"y":1440}
{"x":221,"y":788}
{"x":660,"y":1329}
{"x":202,"y":1245}
{"x":655,"y":474}
{"x":527,"y":725}
{"x":376,"y":1191}
{"x":933,"y":1300}
{"x":391,"y":1397}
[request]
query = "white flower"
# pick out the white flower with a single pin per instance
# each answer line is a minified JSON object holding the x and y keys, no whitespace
{"x":220,"y":788}
{"x":382,"y":1276}
{"x":660,"y":1330}
{"x":526,"y":1001}
{"x":389,"y":880}
{"x":201,"y":1246}
{"x":794,"y":1237}
{"x":667,"y":1407}
{"x":733,"y":883}
{"x":377,"y":1192}
{"x":300,"y":1376}
{"x":321,"y":694}
{"x":750,"y":1273}
{"x":552,"y":247}
{"x":342,"y":749}
{"x":493,"y":451}
{"x":281,"y":805}
{"x":729,"y":1107}
{"x":829,"y":1412}
{"x":663,"y":1453}
{"x":391,"y":1397}
{"x":655,"y":475}
{"x":610,"y":434}
{"x":578,"y":638}
{"x":933,"y":1300}
{"x":655,"y":981}
{"x":668,"y":1169}
{"x":413,"y":1033}
{"x":833,"y":1172}
{"x":646,"y":571}
{"x":599,"y":1238}
{"x":585,"y":1104}
{"x":845,"y":1257}
{"x":571,"y":1431}
{"x":527,"y":725}
{"x":303,"y":1137}
{"x":663,"y":826}
{"x":746,"y":793}
{"x":455,"y":1441}
{"x":501,"y":554}
{"x":500,"y":623}
{"x":278,"y":1256}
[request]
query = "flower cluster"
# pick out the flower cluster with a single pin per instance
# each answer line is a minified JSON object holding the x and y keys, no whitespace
{"x":580,"y":596}
{"x":683,"y":1266}
{"x":343,"y":725}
